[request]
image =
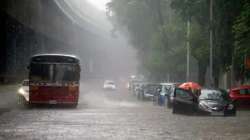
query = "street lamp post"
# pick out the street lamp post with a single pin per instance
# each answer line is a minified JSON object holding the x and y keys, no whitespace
{"x":188,"y":50}
{"x":211,"y":44}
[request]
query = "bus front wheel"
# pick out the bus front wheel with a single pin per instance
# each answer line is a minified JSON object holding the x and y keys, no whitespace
{"x":22,"y":103}
{"x":74,"y":105}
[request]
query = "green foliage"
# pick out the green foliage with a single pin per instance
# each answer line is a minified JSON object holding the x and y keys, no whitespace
{"x":241,"y":30}
{"x":157,"y":28}
{"x":154,"y":30}
{"x":197,"y":11}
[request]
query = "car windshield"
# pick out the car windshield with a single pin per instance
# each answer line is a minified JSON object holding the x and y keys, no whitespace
{"x":110,"y":83}
{"x":151,"y":88}
{"x":211,"y":95}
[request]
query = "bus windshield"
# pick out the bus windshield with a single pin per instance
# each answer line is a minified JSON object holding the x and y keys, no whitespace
{"x":54,"y":72}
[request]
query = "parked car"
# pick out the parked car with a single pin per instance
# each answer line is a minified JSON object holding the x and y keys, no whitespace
{"x":138,"y":91}
{"x":137,"y":86}
{"x":133,"y":86}
{"x":133,"y":80}
{"x":241,"y":96}
{"x":149,"y":91}
{"x":162,"y":97}
{"x":210,"y":102}
{"x":109,"y":85}
{"x":23,"y":93}
{"x":170,"y":95}
{"x":216,"y":102}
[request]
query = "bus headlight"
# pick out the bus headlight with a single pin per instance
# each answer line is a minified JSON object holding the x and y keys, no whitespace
{"x":72,"y":89}
{"x":21,"y":91}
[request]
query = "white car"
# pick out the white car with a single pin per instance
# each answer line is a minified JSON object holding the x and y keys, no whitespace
{"x":23,"y":93}
{"x":109,"y":85}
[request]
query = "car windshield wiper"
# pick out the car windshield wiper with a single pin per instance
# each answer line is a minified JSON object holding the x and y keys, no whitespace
{"x":211,"y":99}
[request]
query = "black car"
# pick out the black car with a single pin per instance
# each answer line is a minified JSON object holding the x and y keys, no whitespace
{"x":210,"y":102}
{"x":149,"y":91}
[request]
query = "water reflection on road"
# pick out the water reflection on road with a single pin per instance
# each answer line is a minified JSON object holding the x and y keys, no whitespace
{"x":115,"y":115}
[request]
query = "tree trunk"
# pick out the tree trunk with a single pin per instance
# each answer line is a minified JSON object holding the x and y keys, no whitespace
{"x":202,"y":69}
{"x":156,"y":6}
{"x":159,"y":12}
{"x":216,"y":81}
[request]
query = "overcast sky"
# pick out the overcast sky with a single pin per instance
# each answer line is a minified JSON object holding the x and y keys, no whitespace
{"x":91,"y":11}
{"x":99,"y":4}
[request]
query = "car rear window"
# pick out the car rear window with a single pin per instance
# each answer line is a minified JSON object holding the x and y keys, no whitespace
{"x":244,"y":91}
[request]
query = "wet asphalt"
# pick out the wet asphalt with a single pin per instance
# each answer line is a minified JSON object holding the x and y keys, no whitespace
{"x":114,"y":115}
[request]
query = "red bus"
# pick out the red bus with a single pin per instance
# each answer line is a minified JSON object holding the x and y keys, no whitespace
{"x":54,"y":79}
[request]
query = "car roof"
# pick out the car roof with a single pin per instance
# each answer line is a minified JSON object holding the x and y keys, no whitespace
{"x":26,"y":80}
{"x":242,"y":87}
{"x":212,"y":89}
{"x":149,"y":83}
{"x":202,"y":90}
{"x":168,"y":84}
{"x":106,"y":81}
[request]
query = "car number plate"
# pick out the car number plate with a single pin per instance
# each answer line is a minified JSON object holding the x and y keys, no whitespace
{"x":53,"y":102}
{"x":217,"y":113}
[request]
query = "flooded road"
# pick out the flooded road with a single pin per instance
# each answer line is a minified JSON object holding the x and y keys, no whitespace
{"x":117,"y":115}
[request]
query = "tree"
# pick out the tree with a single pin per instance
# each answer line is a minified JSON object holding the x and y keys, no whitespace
{"x":241,"y":29}
{"x":157,"y":29}
{"x":196,"y":11}
{"x":154,"y":30}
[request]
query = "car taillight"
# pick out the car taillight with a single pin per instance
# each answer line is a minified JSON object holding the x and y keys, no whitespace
{"x":34,"y":88}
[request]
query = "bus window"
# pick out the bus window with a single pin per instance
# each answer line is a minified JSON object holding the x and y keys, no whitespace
{"x":41,"y":72}
{"x":66,"y":73}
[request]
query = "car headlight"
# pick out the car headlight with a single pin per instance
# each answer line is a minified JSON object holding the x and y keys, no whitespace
{"x":230,"y":106}
{"x":21,"y":91}
{"x":205,"y":106}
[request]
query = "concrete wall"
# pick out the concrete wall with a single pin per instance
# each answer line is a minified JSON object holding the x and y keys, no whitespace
{"x":29,"y":27}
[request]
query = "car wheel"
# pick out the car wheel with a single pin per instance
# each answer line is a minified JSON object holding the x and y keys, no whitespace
{"x":230,"y":113}
{"x":169,"y":105}
{"x":233,"y":113}
{"x":143,"y":97}
{"x":138,"y":96}
{"x":173,"y":110}
{"x":235,"y":103}
{"x":74,"y":105}
{"x":22,"y":103}
{"x":154,"y":100}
